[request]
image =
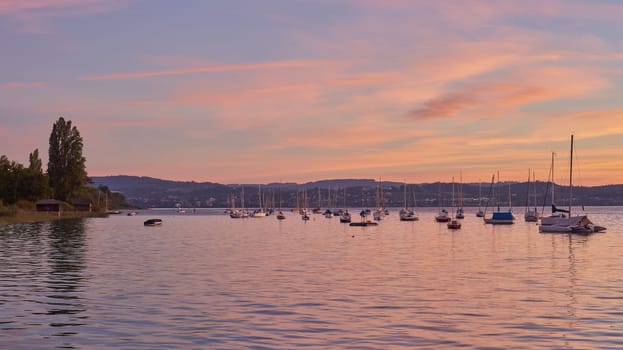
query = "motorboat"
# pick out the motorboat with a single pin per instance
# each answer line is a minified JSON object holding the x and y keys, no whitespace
{"x":152,"y":222}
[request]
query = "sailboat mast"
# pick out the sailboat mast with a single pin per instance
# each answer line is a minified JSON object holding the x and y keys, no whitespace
{"x":453,"y":203}
{"x":534,"y":188}
{"x":571,"y":177}
{"x":553,"y":179}
{"x":528,"y":193}
{"x":497,"y":199}
{"x":405,"y":195}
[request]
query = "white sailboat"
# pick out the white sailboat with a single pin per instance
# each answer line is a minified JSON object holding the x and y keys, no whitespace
{"x":453,"y":224}
{"x":407,"y":214}
{"x":442,"y":215}
{"x":280,"y":214}
{"x":572,"y":224}
{"x":259,"y":213}
{"x":345,"y":216}
{"x":480,"y":213}
{"x":239,"y":213}
{"x":460,"y":214}
{"x":531,"y":214}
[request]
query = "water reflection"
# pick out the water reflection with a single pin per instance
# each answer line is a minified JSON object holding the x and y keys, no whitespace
{"x":41,"y":280}
{"x":65,"y":279}
{"x":208,"y":281}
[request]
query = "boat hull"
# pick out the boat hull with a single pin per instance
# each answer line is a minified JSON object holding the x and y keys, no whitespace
{"x":152,"y":222}
{"x":364,"y":223}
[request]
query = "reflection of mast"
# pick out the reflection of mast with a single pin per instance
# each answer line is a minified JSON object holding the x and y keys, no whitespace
{"x":572,"y":284}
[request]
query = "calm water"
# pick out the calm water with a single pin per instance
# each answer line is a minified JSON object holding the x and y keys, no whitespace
{"x":207,"y":281}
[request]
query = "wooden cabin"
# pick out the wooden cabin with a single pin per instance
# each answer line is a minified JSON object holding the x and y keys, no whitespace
{"x":82,"y":204}
{"x":48,"y":205}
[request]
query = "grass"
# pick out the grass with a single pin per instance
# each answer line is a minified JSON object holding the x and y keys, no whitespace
{"x":21,"y":216}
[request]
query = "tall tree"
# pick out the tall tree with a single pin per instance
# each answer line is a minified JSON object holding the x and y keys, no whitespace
{"x":66,"y":165}
{"x":33,"y":183}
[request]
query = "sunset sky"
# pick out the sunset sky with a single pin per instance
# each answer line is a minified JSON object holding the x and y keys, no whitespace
{"x":300,"y":90}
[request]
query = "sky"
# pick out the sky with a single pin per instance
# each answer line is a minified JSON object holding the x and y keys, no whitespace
{"x":248,"y":91}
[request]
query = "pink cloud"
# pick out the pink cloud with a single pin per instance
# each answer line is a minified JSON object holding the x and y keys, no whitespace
{"x":212,"y":69}
{"x":510,"y":91}
{"x":445,"y":106}
{"x":33,"y":16}
{"x":22,"y":85}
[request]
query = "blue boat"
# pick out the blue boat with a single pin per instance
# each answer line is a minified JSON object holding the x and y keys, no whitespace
{"x":501,"y":218}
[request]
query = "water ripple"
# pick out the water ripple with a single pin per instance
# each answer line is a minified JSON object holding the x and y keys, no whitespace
{"x":213,"y":282}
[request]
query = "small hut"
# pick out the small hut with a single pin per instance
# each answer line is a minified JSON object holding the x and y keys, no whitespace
{"x":82,"y":204}
{"x":48,"y":205}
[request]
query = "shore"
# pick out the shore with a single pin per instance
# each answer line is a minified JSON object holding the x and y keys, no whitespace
{"x":24,"y":216}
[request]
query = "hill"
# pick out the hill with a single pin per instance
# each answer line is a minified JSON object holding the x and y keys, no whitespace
{"x":148,"y":192}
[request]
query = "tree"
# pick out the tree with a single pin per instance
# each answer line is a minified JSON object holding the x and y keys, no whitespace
{"x":35,"y":161}
{"x":32,"y":182}
{"x":8,"y":180}
{"x":66,"y":166}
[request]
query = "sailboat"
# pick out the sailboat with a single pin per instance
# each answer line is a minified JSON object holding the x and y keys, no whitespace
{"x":571,"y":224}
{"x":502,"y":217}
{"x":407,"y":214}
{"x":442,"y":216}
{"x":259,"y":213}
{"x":363,"y":215}
{"x":304,"y":215}
{"x":557,"y":213}
{"x":531,"y":215}
{"x":239,"y":213}
{"x":345,"y":216}
{"x":379,"y":213}
{"x":480,"y":213}
{"x":318,"y":210}
{"x":459,"y":210}
{"x":453,"y":224}
{"x":280,"y":214}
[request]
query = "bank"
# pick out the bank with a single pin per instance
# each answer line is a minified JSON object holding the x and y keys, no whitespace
{"x":25,"y":216}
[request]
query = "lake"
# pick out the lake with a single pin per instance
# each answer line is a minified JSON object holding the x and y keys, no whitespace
{"x":203,"y":280}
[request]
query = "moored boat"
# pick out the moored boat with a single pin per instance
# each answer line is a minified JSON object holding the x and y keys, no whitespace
{"x":501,"y":218}
{"x":152,"y":222}
{"x":454,"y":224}
{"x":565,"y":224}
{"x":345,"y":217}
{"x":442,"y":216}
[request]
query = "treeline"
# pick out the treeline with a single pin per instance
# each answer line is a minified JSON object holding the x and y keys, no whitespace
{"x":65,"y":178}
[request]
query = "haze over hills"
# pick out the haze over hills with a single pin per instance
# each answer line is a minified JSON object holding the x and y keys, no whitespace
{"x":148,"y":192}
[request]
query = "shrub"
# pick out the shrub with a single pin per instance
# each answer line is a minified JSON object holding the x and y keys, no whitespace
{"x":24,"y":204}
{"x":8,"y":211}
